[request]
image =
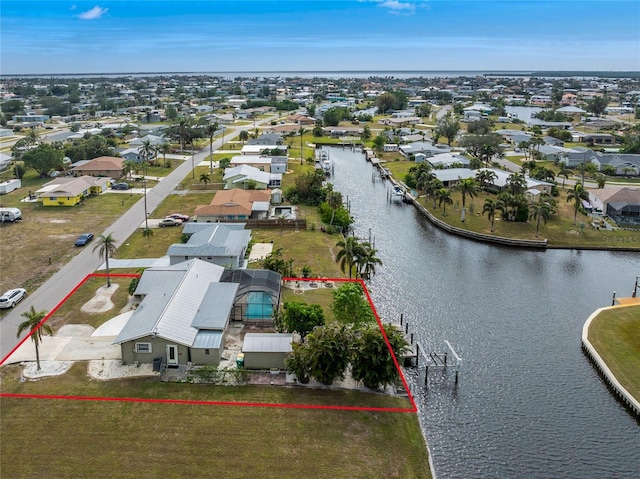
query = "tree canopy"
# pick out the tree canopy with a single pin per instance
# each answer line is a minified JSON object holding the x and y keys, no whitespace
{"x":300,"y":317}
{"x":350,"y":305}
{"x":44,"y":158}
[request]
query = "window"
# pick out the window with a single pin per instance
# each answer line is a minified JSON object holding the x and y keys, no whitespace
{"x":143,"y":347}
{"x":206,"y":351}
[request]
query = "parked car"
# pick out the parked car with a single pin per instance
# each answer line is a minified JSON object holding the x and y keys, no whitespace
{"x":169,"y":222}
{"x":12,"y":297}
{"x":120,"y":186}
{"x":83,"y":239}
{"x":178,"y":216}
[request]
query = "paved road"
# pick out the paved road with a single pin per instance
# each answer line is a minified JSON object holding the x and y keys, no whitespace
{"x":59,"y":285}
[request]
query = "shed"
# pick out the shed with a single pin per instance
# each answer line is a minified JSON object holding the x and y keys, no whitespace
{"x":266,"y":350}
{"x":276,"y":196}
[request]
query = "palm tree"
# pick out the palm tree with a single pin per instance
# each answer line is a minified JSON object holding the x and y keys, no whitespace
{"x":204,"y":177}
{"x":34,"y":318}
{"x":577,"y":194}
{"x":541,"y":210}
{"x":466,"y":187}
{"x":106,"y":246}
{"x":32,"y":137}
{"x":301,"y":132}
{"x":433,"y":186}
{"x":347,"y":255}
{"x":334,"y":200}
{"x":516,"y":184}
{"x":444,"y":196}
{"x":128,"y":167}
{"x":367,"y":260}
{"x":491,"y":207}
{"x":147,"y":233}
{"x":146,"y":152}
{"x":564,"y":171}
{"x":423,"y":180}
{"x":486,"y":177}
{"x":210,"y":131}
{"x":183,"y":126}
{"x":163,"y":148}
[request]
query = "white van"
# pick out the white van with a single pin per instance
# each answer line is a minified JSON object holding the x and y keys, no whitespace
{"x":9,"y":215}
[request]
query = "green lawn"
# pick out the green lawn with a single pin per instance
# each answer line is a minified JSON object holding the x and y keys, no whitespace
{"x":615,"y":334}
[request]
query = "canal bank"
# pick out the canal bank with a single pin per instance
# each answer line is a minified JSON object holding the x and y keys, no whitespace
{"x":528,"y":404}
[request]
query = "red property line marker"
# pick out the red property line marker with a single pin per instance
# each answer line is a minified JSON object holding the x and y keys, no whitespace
{"x":412,"y":409}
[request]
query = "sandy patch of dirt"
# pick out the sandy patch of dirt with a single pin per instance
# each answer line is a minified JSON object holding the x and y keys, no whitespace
{"x":75,"y":330}
{"x":48,"y":368}
{"x":58,"y":221}
{"x":105,"y":369}
{"x":101,"y":301}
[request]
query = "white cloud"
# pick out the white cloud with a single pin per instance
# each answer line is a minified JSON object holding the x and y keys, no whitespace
{"x":93,"y":14}
{"x":397,"y":7}
{"x":73,"y":7}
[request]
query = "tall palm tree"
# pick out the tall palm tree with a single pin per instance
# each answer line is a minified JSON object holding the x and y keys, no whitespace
{"x":367,"y":260}
{"x":432,"y":188}
{"x":423,"y":180}
{"x":106,"y":246}
{"x":540,"y":211}
{"x":146,"y":152}
{"x":334,"y":200}
{"x":466,"y":187}
{"x":163,"y":149}
{"x":491,"y":208}
{"x":34,"y":318}
{"x":516,"y":183}
{"x":577,"y":194}
{"x":564,"y":171}
{"x":184,"y":123}
{"x":444,"y":197}
{"x":348,"y":253}
{"x":210,"y":131}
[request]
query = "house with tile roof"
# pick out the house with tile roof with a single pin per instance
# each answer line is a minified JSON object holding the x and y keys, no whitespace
{"x":235,"y":205}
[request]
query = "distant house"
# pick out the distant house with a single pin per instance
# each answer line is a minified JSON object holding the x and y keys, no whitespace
{"x":65,"y":191}
{"x":224,"y":244}
{"x":448,"y":160}
{"x":109,"y":166}
{"x":594,"y":138}
{"x":235,"y":205}
{"x":243,"y":176}
{"x":451,"y":176}
{"x":258,"y":149}
{"x":299,"y":119}
{"x":262,"y":163}
{"x":424,"y":147}
{"x":268,"y":139}
{"x":152,"y":139}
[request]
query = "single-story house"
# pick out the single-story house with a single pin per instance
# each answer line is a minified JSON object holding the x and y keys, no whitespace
{"x":451,"y":176}
{"x":102,"y":166}
{"x":182,"y":318}
{"x":262,"y":163}
{"x":267,"y":139}
{"x":620,"y":203}
{"x":593,"y":138}
{"x":152,"y":139}
{"x":299,"y":119}
{"x":241,"y":176}
{"x":402,"y":121}
{"x":502,"y":179}
{"x":266,"y":350}
{"x":70,"y":191}
{"x":425,"y":147}
{"x":235,"y":205}
{"x":447,"y":160}
{"x":257,"y":150}
{"x":224,"y":244}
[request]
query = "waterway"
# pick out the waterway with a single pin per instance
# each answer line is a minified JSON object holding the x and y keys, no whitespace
{"x":528,"y":403}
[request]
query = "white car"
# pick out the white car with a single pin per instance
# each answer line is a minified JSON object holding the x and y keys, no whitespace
{"x":12,"y":297}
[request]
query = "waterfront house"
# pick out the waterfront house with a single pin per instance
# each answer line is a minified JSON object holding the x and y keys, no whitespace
{"x":109,"y":166}
{"x":244,"y":176}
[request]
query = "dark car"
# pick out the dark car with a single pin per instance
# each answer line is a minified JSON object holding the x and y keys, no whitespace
{"x":83,"y":239}
{"x":120,"y":186}
{"x":179,"y":216}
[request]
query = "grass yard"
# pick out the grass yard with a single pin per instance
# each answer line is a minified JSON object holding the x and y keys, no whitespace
{"x":102,"y":439}
{"x":615,"y":333}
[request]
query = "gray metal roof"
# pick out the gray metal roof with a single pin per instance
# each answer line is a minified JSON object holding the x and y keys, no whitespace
{"x":267,"y":343}
{"x":206,"y":339}
{"x":168,"y":310}
{"x":216,"y":240}
{"x":215,"y":308}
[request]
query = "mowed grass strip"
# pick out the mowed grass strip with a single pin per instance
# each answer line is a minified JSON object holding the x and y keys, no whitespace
{"x":615,"y":333}
{"x":118,"y":439}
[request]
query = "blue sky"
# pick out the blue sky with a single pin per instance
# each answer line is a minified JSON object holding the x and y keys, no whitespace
{"x":59,"y":36}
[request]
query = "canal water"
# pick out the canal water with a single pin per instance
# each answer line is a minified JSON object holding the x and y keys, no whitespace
{"x":528,"y":403}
